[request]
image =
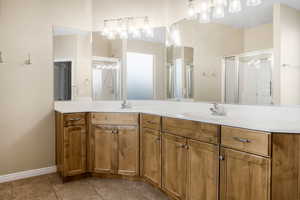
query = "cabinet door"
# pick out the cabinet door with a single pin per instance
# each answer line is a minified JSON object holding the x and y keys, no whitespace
{"x":74,"y":150}
{"x":105,"y":149}
{"x":202,"y":171}
{"x":244,"y":176}
{"x":174,"y":160}
{"x":128,"y":150}
{"x":151,"y":155}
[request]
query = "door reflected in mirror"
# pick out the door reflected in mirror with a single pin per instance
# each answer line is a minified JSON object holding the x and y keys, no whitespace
{"x":251,"y":57}
{"x":72,"y":50}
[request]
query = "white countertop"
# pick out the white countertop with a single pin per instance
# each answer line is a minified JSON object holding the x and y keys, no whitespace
{"x":274,"y":119}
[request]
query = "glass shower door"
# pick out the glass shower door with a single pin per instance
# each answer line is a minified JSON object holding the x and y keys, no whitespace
{"x":255,"y":80}
{"x":106,"y":80}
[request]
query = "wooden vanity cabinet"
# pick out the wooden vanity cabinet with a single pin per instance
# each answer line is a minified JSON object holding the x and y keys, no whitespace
{"x":245,"y":166}
{"x":190,"y":163}
{"x":150,"y":148}
{"x":202,"y":171}
{"x":71,"y":143}
{"x":114,"y":144}
{"x":105,"y":149}
{"x":151,"y":156}
{"x":244,"y":176}
{"x":188,"y":160}
{"x":174,"y":165}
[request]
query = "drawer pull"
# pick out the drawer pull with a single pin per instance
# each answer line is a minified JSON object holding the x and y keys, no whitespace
{"x":241,"y":140}
{"x":74,"y":119}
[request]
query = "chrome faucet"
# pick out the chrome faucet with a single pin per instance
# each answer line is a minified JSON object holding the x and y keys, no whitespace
{"x":217,"y":110}
{"x":125,"y":104}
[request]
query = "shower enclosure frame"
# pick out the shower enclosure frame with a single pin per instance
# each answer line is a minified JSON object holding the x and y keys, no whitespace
{"x":119,"y":82}
{"x":237,"y":62}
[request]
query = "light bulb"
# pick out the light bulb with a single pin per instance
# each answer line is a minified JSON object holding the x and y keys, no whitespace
{"x":105,"y":31}
{"x":111,"y":35}
{"x":253,"y":2}
{"x":191,"y":10}
{"x":147,"y":29}
{"x":219,"y":12}
{"x":149,"y":32}
{"x":220,"y":3}
{"x":204,"y":17}
{"x":235,"y":6}
{"x":124,"y":35}
{"x":136,"y":33}
{"x":204,"y":7}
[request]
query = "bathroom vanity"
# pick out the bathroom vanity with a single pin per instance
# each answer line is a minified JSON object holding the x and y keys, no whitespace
{"x":188,"y":159}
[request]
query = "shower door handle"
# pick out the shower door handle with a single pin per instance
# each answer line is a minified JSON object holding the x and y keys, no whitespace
{"x":271,"y":88}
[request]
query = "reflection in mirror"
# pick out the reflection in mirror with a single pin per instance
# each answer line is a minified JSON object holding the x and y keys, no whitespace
{"x":141,"y":71}
{"x":180,"y":73}
{"x":106,"y":78}
{"x":240,"y":58}
{"x":248,"y":78}
{"x":72,"y":61}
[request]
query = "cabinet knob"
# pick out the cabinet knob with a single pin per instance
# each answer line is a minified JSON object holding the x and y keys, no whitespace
{"x":181,"y":146}
{"x":221,"y":158}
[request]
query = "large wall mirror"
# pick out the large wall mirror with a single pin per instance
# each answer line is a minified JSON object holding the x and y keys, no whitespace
{"x":236,"y":59}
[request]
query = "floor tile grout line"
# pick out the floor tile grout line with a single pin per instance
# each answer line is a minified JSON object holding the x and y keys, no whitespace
{"x":56,"y":195}
{"x":53,"y":189}
{"x":94,"y":188}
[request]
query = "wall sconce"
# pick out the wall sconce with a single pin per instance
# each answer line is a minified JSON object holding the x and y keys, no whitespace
{"x":28,"y":60}
{"x":1,"y":59}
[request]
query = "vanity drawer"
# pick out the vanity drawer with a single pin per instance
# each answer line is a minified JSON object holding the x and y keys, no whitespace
{"x":250,"y":141}
{"x":192,"y":129}
{"x":74,"y":119}
{"x":151,"y":121}
{"x":115,"y":118}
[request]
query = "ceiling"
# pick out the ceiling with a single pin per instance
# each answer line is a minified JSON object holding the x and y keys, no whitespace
{"x":254,"y":16}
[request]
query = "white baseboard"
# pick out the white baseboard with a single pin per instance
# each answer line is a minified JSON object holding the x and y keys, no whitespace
{"x":27,"y":174}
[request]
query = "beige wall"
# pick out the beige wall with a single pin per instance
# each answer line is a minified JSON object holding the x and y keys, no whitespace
{"x":78,"y":49}
{"x":258,"y":38}
{"x":287,"y":48}
{"x":211,"y":42}
{"x":104,"y":47}
{"x":26,"y":103}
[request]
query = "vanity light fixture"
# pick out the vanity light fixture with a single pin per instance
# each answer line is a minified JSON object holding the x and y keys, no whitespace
{"x":235,"y":6}
{"x":128,"y":26}
{"x":205,"y":10}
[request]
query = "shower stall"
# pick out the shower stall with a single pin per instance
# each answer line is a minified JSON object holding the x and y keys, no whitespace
{"x":180,"y":73}
{"x":248,"y":78}
{"x":106,"y":84}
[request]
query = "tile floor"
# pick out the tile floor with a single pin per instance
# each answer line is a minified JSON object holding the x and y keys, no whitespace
{"x":50,"y":187}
